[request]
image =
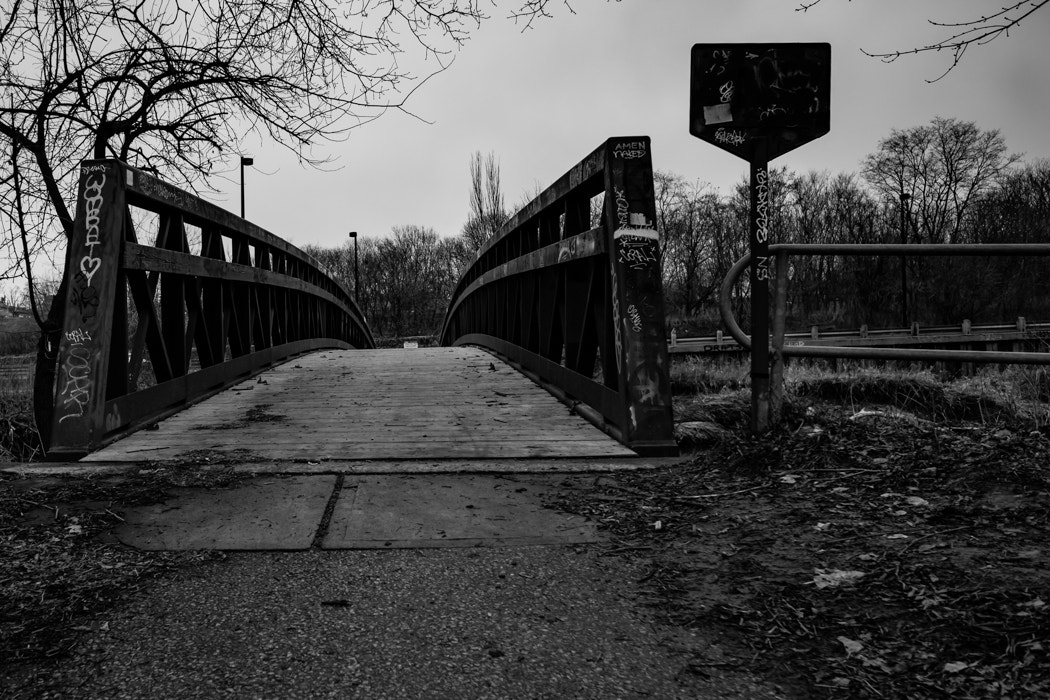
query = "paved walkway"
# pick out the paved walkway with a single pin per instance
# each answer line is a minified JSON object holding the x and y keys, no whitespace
{"x":404,"y":617}
{"x":295,"y":513}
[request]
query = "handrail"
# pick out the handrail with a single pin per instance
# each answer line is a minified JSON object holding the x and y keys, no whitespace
{"x":781,"y":250}
{"x":580,"y":306}
{"x":231,"y":317}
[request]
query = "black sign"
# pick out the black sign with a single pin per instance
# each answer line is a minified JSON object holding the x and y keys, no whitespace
{"x":744,"y":95}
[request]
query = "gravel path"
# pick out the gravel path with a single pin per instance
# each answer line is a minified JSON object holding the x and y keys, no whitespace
{"x":529,"y":622}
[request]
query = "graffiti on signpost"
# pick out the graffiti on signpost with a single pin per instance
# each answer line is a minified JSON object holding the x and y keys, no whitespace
{"x":759,"y":101}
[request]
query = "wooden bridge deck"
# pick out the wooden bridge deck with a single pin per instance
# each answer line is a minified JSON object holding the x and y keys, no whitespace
{"x":427,"y":403}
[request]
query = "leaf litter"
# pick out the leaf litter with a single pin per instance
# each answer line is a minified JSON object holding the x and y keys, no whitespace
{"x":876,"y":558}
{"x":59,"y":574}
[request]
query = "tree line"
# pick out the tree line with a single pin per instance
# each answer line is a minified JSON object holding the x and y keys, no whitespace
{"x":944,"y":182}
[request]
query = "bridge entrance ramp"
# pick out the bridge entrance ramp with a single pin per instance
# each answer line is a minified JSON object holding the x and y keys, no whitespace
{"x":447,"y":403}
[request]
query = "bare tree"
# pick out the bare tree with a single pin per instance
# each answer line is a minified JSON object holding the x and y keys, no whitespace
{"x":175,"y":87}
{"x":943,"y":168}
{"x":963,"y":34}
{"x":487,"y":208}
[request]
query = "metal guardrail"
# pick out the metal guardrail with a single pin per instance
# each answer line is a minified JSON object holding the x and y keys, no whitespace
{"x":916,"y":336}
{"x":234,"y":317}
{"x":781,"y":251}
{"x":580,"y":307}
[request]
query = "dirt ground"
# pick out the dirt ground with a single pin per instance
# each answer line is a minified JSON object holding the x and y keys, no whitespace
{"x":864,"y":555}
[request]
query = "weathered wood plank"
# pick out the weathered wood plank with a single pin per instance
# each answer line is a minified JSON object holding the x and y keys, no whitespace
{"x":430,"y":403}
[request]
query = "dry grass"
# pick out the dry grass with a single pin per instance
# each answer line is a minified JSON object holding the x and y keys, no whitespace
{"x":718,"y":389}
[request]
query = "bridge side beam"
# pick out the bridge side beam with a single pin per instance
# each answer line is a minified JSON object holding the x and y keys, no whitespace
{"x":633,"y":249}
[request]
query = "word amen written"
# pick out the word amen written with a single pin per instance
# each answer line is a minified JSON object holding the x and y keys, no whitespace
{"x":633,"y":149}
{"x":89,"y":264}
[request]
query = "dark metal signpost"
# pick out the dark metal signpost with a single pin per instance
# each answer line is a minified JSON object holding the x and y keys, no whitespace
{"x":759,"y":101}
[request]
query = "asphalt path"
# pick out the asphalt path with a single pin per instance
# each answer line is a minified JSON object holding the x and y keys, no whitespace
{"x":481,"y":622}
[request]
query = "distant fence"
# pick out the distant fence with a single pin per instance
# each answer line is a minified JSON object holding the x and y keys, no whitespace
{"x":1019,"y":336}
{"x":577,"y":305}
{"x":150,"y":328}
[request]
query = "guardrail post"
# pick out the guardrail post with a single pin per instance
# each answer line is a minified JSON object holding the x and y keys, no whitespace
{"x":637,"y":296}
{"x":78,"y":420}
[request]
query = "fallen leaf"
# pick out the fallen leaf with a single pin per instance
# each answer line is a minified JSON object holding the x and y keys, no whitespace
{"x":916,"y":501}
{"x":852,"y":646}
{"x":789,"y":479}
{"x":955,"y":666}
{"x":832,"y":578}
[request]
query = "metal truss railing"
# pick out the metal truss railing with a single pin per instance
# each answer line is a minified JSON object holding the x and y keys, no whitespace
{"x":150,"y":328}
{"x":577,"y":305}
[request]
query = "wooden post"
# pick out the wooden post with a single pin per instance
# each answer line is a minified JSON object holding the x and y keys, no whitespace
{"x":633,"y":246}
{"x":78,"y":422}
{"x":760,"y":273}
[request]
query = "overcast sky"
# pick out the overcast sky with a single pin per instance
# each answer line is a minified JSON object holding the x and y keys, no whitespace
{"x":543,"y":99}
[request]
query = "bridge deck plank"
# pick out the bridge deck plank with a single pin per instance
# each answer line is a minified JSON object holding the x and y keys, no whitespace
{"x":428,"y":403}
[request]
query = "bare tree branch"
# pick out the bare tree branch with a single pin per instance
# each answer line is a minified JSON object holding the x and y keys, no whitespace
{"x":967,"y":33}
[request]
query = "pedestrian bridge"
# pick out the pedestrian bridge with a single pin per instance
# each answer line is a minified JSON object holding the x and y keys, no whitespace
{"x":189,"y":332}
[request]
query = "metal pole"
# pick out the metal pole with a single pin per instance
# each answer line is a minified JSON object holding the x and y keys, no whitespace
{"x":761,"y":271}
{"x":776,"y":379}
{"x":244,"y":161}
{"x":905,"y":320}
{"x":353,"y":234}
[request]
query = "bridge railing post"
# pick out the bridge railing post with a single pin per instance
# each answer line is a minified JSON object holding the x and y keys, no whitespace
{"x":633,"y":247}
{"x":85,"y":345}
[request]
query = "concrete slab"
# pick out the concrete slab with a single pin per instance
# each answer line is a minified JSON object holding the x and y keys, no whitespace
{"x":420,"y":511}
{"x":264,"y":514}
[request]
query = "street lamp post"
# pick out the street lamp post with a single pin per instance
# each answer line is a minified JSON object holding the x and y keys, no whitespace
{"x":353,"y":234}
{"x":244,"y":161}
{"x":905,"y":321}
